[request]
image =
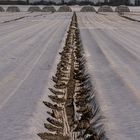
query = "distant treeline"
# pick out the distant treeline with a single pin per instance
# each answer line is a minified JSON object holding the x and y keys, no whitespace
{"x":13,"y":2}
{"x":122,"y":2}
{"x":72,"y":2}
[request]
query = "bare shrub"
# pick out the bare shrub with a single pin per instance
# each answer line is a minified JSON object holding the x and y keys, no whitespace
{"x":49,"y":9}
{"x":88,"y":9}
{"x":105,"y":8}
{"x":64,"y":9}
{"x":13,"y":9}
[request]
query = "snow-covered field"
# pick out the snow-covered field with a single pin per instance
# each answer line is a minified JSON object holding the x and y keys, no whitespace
{"x":134,"y":15}
{"x":112,"y":48}
{"x":6,"y":17}
{"x":29,"y":50}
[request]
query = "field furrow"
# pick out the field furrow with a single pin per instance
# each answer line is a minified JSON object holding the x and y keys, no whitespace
{"x":26,"y":58}
{"x":114,"y":63}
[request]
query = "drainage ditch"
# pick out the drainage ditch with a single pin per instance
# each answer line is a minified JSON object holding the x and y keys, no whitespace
{"x":74,"y":112}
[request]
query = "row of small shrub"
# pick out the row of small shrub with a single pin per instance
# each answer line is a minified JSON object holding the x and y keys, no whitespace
{"x":105,"y":8}
{"x":31,"y":9}
{"x":10,"y":9}
{"x":38,"y":9}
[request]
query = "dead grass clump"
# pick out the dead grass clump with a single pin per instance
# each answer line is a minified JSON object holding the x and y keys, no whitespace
{"x":34,"y":9}
{"x":122,"y":8}
{"x":1,"y":9}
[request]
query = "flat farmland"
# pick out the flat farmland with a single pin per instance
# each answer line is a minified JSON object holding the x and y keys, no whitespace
{"x":112,"y":49}
{"x":36,"y":46}
{"x":28,"y":51}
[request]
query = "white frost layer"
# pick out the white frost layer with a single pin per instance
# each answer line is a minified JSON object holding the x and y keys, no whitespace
{"x":134,"y":15}
{"x":112,"y":49}
{"x":28,"y":55}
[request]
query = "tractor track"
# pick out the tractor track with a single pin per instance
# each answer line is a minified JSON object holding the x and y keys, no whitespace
{"x":129,"y":18}
{"x":22,"y":17}
{"x":75,"y":112}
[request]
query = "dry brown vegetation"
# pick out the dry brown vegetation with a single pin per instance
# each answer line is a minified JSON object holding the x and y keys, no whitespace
{"x":74,"y":113}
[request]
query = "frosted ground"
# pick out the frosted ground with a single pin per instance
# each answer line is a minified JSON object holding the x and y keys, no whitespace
{"x":28,"y":52}
{"x":28,"y":56}
{"x":112,"y":50}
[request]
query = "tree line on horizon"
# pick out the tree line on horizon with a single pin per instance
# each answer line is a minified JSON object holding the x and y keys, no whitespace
{"x":72,"y":2}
